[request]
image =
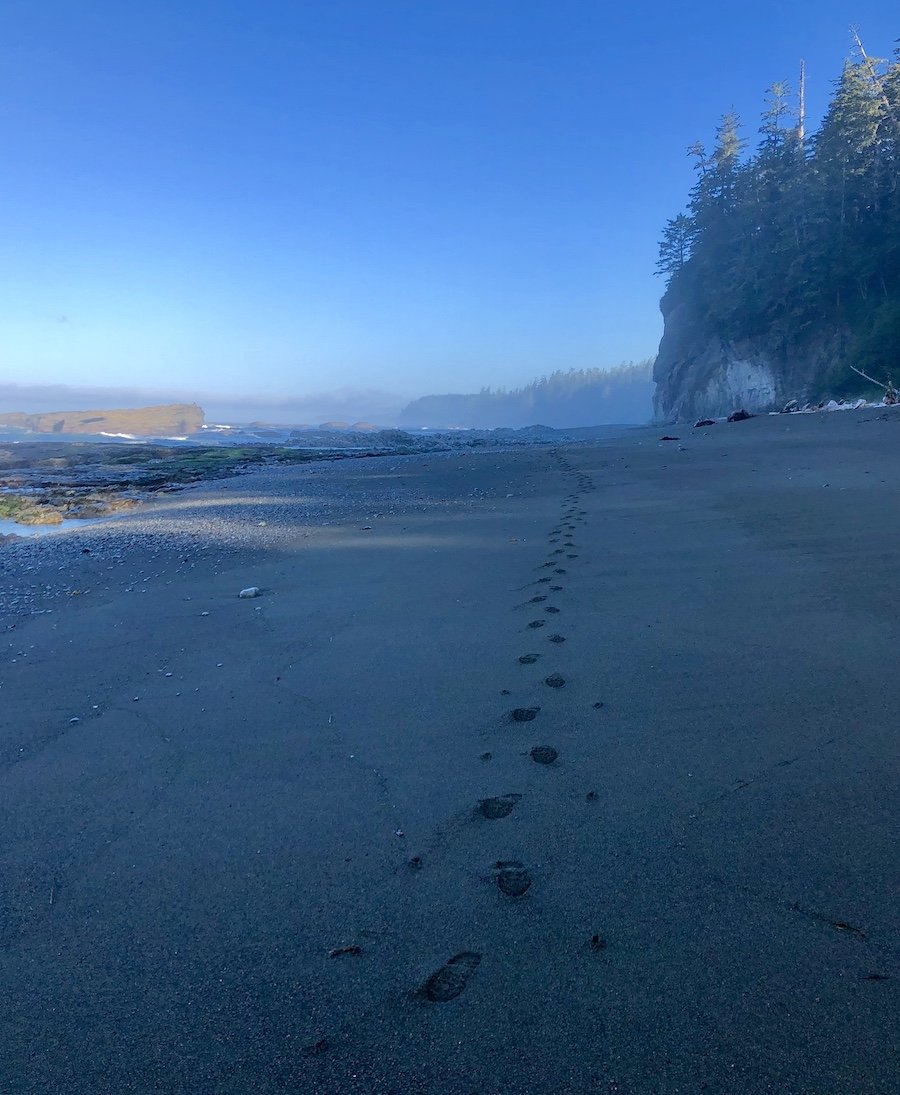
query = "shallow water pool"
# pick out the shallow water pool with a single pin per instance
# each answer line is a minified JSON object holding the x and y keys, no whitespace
{"x":7,"y":526}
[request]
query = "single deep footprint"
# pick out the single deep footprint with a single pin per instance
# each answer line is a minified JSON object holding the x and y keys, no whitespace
{"x":524,"y":714}
{"x":512,"y":878}
{"x":551,"y":608}
{"x":528,"y":659}
{"x":500,"y":806}
{"x":544,"y":754}
{"x":557,"y":638}
{"x":536,"y":623}
{"x":554,"y":681}
{"x":450,"y":980}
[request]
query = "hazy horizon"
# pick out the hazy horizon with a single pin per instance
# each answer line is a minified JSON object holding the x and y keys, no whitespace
{"x":347,"y":404}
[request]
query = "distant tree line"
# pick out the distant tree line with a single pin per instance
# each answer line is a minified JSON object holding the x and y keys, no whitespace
{"x":804,"y":232}
{"x":577,"y":397}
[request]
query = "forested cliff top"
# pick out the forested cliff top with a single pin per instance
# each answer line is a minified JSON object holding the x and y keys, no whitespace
{"x":784,"y":270}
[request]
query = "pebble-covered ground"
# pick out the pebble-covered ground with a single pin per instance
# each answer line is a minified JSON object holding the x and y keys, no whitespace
{"x":267,"y":508}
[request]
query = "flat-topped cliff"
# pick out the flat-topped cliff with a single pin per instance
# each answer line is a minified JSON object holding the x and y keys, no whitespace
{"x":166,"y":420}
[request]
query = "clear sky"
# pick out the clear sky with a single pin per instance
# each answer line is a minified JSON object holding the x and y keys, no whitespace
{"x":293,"y":196}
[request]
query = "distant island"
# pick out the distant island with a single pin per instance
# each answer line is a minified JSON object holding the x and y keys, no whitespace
{"x":173,"y":420}
{"x":784,"y":271}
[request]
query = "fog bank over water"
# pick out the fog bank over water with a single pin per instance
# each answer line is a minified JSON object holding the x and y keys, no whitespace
{"x":346,"y":404}
{"x":582,"y":397}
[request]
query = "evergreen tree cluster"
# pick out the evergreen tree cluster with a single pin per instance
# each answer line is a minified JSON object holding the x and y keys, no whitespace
{"x":802,"y":234}
{"x":574,"y":397}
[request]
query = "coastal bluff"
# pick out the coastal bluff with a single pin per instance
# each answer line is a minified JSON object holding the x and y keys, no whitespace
{"x":164,"y":420}
{"x":699,"y":373}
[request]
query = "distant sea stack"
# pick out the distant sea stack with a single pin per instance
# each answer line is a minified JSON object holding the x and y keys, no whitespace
{"x":167,"y":420}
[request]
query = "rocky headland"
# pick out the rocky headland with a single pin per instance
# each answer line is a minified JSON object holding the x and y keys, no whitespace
{"x":166,"y":420}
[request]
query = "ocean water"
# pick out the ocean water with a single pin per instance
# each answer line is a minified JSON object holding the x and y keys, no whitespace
{"x":7,"y":526}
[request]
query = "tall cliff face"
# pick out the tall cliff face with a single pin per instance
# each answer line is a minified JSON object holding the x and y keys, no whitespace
{"x":699,"y":374}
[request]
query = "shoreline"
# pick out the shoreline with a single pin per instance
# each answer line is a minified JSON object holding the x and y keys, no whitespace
{"x":261,"y":857}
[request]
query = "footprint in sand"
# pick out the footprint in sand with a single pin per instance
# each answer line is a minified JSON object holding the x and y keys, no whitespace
{"x":451,"y":979}
{"x":554,"y":681}
{"x":557,"y":638}
{"x":546,"y":578}
{"x":512,"y":878}
{"x":556,"y":589}
{"x":536,"y":623}
{"x":500,"y":806}
{"x":537,"y":600}
{"x":571,"y":556}
{"x":560,"y":570}
{"x":524,"y":714}
{"x":551,"y":608}
{"x":544,"y":754}
{"x":528,"y":659}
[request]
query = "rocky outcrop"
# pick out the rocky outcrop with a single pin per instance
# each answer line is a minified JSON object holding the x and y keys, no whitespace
{"x":167,"y":420}
{"x":702,"y":375}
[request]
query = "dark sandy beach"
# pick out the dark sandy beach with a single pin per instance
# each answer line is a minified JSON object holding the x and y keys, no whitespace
{"x":259,"y":861}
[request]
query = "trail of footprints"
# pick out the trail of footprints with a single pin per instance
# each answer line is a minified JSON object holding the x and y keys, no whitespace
{"x":513,"y":879}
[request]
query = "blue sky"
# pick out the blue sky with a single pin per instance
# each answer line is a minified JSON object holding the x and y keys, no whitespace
{"x":295,"y":197}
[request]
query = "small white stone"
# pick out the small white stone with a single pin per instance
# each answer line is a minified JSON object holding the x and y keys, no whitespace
{"x":250,"y":591}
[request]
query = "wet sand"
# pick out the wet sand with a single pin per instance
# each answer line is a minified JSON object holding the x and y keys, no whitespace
{"x":318,"y":840}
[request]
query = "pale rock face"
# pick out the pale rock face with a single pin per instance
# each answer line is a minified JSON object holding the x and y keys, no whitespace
{"x":741,"y":384}
{"x":720,"y":379}
{"x":701,"y":375}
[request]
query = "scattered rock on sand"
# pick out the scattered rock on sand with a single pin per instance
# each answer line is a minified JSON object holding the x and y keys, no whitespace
{"x":250,"y":591}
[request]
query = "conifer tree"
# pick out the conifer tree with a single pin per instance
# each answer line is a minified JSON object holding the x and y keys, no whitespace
{"x":802,"y":235}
